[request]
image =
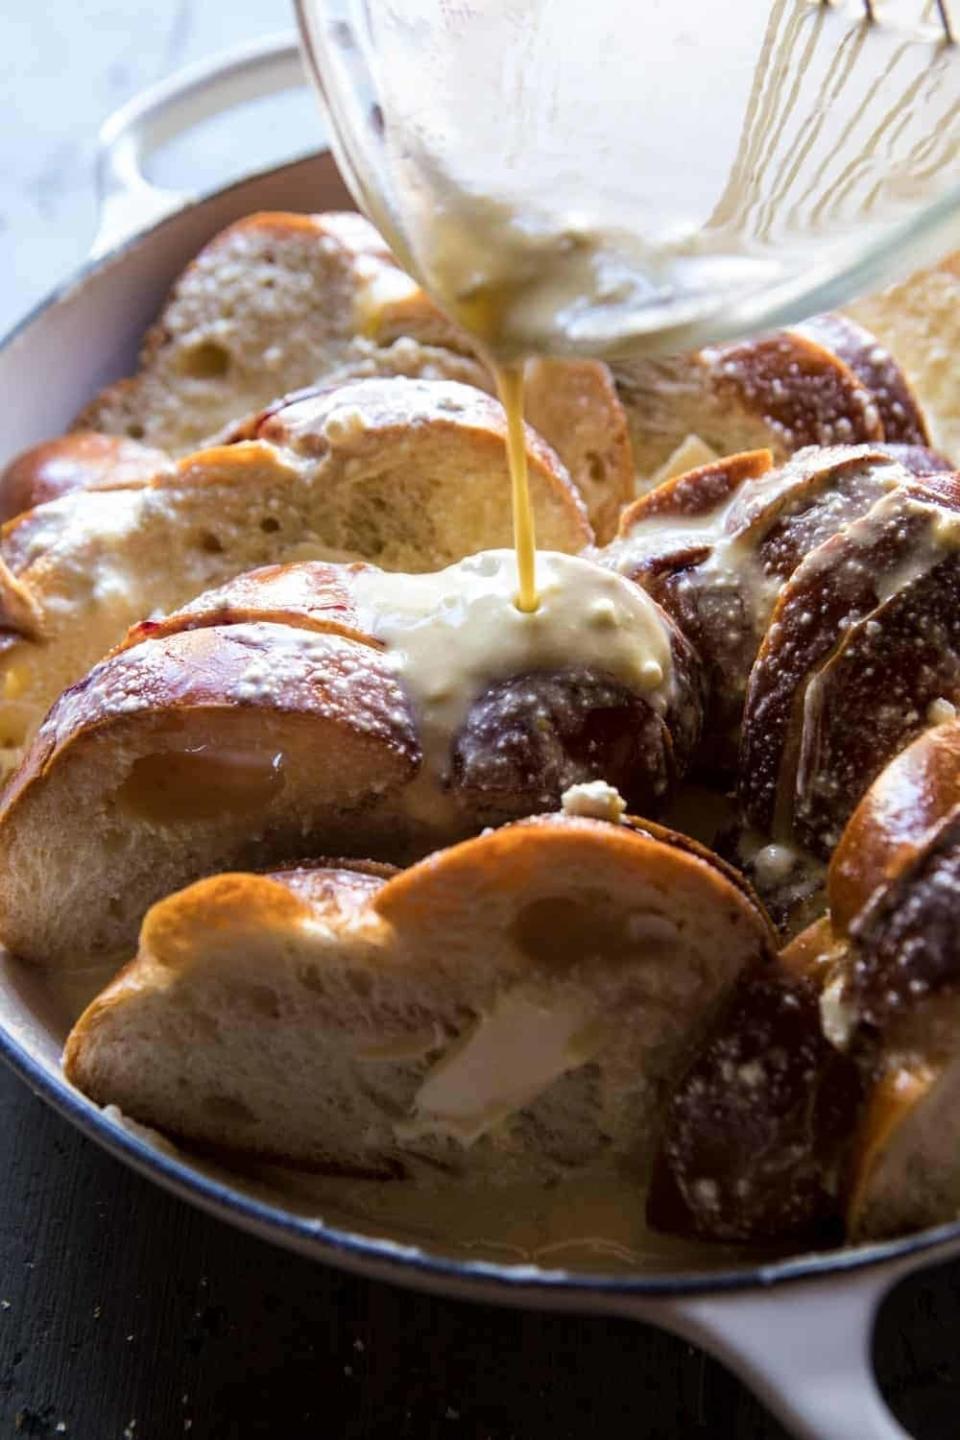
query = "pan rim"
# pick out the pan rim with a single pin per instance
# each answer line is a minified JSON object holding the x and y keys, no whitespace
{"x":397,"y":1260}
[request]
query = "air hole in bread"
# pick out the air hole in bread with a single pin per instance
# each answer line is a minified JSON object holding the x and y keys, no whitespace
{"x":595,"y":466}
{"x":269,"y":525}
{"x":261,"y":1000}
{"x":172,"y":787}
{"x":210,"y":544}
{"x":204,"y":361}
{"x":360,"y":983}
{"x":558,"y":932}
{"x":228,"y":1108}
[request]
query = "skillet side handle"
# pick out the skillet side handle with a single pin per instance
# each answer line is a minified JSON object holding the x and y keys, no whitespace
{"x":129,"y":202}
{"x":804,"y":1349}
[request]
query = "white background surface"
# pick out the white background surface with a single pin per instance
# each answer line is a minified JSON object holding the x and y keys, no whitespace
{"x":64,"y":66}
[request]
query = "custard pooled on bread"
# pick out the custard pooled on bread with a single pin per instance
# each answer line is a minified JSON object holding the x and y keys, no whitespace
{"x":411,"y":474}
{"x":319,"y":708}
{"x":822,"y":595}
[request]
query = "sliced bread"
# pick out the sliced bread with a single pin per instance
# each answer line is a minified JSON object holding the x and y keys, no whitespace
{"x":278,"y":302}
{"x":412,"y":474}
{"x":508,"y":1010}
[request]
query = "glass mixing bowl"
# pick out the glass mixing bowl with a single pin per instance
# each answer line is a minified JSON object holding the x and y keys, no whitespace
{"x":622,"y":176}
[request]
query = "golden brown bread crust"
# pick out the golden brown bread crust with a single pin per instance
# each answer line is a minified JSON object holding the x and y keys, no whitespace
{"x":253,"y":644}
{"x":306,"y":424}
{"x":374,"y":277}
{"x":208,"y":669}
{"x":84,"y":460}
{"x":697,"y":492}
{"x":871,"y":996}
{"x":715,"y":545}
{"x":385,"y":325}
{"x":259,"y":740}
{"x":312,"y":595}
{"x":893,"y":1100}
{"x":780,"y":392}
{"x":859,"y":646}
{"x":905,"y":808}
{"x":408,"y":472}
{"x":823,"y":401}
{"x":521,"y":734}
{"x":548,"y":845}
{"x":899,"y":409}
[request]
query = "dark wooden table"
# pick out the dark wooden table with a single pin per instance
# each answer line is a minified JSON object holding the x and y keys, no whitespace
{"x":124,"y":1315}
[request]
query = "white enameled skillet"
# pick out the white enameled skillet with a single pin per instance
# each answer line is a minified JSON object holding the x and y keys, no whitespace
{"x":799,"y":1330}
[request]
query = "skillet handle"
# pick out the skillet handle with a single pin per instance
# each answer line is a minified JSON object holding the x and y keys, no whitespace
{"x":129,"y":202}
{"x":804,"y":1349}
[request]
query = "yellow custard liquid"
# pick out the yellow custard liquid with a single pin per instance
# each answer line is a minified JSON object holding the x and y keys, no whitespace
{"x":510,"y":389}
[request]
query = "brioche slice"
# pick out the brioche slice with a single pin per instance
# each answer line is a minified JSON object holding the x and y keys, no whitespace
{"x":904,"y":1172}
{"x":271,"y":304}
{"x":902,"y":992}
{"x":829,"y":1089}
{"x":893,"y":887}
{"x":756,"y":1133}
{"x":190,"y":749}
{"x":228,"y":745}
{"x":898,"y":818}
{"x":918,"y":321}
{"x":861,"y":644}
{"x":715,"y":546}
{"x":410,"y":473}
{"x":507,"y":1010}
{"x":900,"y":414}
{"x":572,"y":404}
{"x":778,"y":393}
{"x":84,"y":460}
{"x":279,"y":301}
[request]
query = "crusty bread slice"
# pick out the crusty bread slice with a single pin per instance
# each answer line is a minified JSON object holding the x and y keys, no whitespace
{"x":902,"y":992}
{"x":715,"y":546}
{"x":190,"y":749}
{"x":861,"y":644}
{"x":84,"y":460}
{"x":904,"y":1170}
{"x":230,"y":745}
{"x":898,"y":818}
{"x":278,"y":302}
{"x":410,"y":473}
{"x":271,"y":304}
{"x":508,"y":1010}
{"x":903,"y":421}
{"x":572,"y":404}
{"x":829,"y":1090}
{"x":918,"y":321}
{"x":756,"y":1133}
{"x":778,"y":393}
